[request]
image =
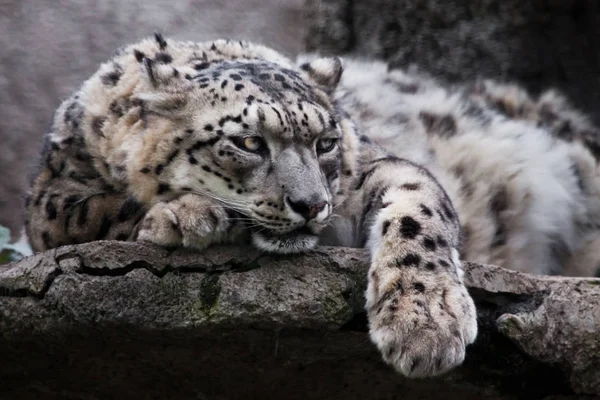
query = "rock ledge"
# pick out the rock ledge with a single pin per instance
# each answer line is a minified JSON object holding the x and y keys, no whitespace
{"x":109,"y":319}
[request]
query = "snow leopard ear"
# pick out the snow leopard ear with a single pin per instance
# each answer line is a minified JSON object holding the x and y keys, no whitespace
{"x":325,"y":72}
{"x":168,"y":93}
{"x":158,"y":71}
{"x":168,"y":105}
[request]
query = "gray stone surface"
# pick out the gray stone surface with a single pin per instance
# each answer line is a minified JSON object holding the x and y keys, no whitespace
{"x":541,"y":43}
{"x":125,"y":320}
{"x":50,"y":47}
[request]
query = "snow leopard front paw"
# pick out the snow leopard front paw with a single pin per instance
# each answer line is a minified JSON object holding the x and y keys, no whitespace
{"x":421,"y":326}
{"x":189,"y":221}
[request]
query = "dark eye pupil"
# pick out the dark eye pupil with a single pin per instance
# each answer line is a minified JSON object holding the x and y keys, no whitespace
{"x":325,"y":145}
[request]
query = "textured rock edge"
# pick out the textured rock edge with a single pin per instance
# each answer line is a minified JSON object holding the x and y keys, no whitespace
{"x":553,"y":321}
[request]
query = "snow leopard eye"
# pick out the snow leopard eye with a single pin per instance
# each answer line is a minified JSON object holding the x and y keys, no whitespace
{"x":326,"y":145}
{"x":252,"y":144}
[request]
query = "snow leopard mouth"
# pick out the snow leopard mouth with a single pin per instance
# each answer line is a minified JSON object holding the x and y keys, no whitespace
{"x":296,"y":241}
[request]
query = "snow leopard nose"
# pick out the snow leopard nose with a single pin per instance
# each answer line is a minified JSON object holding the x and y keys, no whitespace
{"x":308,"y":210}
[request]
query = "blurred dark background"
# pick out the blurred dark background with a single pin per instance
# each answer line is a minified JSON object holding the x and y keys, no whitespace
{"x":49,"y":47}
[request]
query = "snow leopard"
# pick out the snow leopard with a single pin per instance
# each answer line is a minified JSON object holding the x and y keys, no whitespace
{"x":185,"y":144}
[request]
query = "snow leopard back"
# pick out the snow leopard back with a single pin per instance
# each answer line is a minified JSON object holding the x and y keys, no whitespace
{"x":522,"y":173}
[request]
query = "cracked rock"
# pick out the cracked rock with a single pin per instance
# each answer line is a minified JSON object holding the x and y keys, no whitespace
{"x":127,"y":320}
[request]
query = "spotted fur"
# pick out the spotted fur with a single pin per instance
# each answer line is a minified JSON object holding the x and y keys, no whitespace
{"x":191,"y":144}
